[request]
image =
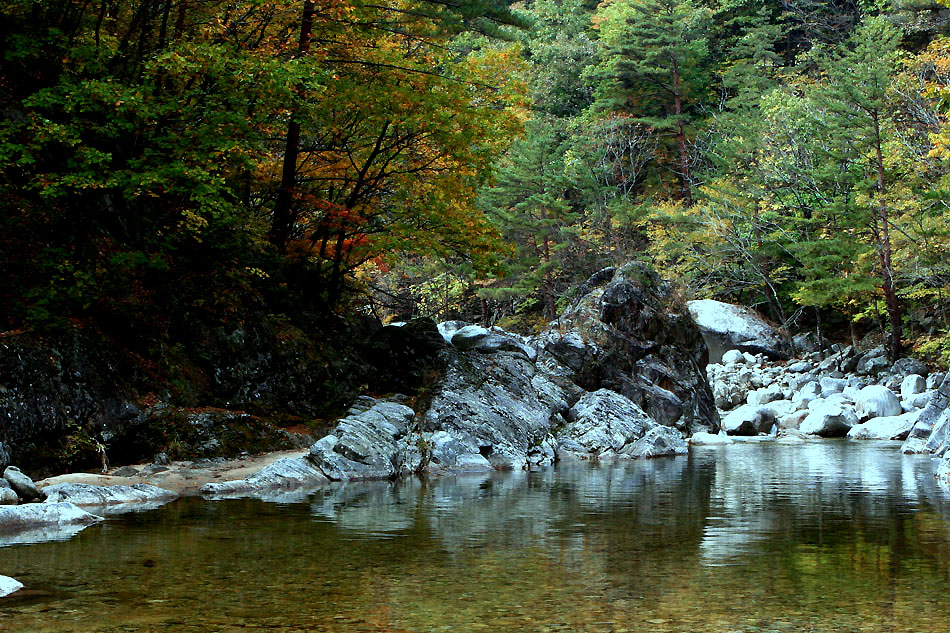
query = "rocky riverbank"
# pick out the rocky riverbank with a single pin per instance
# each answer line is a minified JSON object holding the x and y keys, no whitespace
{"x":622,"y":374}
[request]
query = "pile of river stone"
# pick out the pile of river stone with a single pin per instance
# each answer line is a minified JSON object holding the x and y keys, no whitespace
{"x":17,"y":488}
{"x":838,"y":393}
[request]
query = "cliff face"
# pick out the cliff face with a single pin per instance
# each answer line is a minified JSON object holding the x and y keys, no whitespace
{"x":72,"y":401}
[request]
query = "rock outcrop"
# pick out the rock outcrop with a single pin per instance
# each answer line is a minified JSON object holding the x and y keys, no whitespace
{"x":629,"y":334}
{"x":285,"y":473}
{"x":618,"y":376}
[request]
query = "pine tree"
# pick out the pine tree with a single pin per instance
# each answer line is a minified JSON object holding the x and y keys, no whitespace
{"x":657,"y":68}
{"x":855,"y":97}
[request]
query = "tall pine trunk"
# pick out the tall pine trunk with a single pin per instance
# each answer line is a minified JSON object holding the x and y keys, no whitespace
{"x":284,"y":215}
{"x":891,"y":300}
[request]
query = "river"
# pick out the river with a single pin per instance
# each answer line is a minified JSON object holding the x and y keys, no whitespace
{"x":823,"y":536}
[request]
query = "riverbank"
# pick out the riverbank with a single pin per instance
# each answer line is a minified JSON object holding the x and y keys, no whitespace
{"x":182,"y":477}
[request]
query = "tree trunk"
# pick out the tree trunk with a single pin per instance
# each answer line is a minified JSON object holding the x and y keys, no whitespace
{"x":284,"y":214}
{"x":681,"y":136}
{"x":891,"y":299}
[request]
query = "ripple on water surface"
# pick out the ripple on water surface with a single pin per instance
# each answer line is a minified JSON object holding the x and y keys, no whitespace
{"x":821,"y":537}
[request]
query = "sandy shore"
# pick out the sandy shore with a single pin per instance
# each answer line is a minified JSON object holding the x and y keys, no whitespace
{"x":184,"y":477}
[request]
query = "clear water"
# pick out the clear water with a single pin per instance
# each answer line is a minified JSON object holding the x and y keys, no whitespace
{"x":825,"y":536}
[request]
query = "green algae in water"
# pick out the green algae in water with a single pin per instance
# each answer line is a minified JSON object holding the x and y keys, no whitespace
{"x":827,"y":536}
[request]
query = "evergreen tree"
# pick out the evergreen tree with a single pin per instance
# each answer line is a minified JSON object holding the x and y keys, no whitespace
{"x":656,"y":69}
{"x":857,"y":117}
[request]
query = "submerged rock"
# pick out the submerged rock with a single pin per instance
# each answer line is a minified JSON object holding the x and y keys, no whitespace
{"x":9,"y":585}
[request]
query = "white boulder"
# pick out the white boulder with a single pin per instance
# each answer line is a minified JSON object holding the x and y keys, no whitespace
{"x":877,"y":401}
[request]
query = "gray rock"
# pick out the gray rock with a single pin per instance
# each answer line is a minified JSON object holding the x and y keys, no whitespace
{"x":448,"y":329}
{"x":499,"y":404}
{"x":125,"y":471}
{"x":872,"y":365}
{"x":88,"y":495}
{"x":894,"y":427}
{"x":161,"y":459}
{"x":34,"y":515}
{"x":906,"y":366}
{"x":765,"y":395}
{"x":799,"y":367}
{"x":917,"y":401}
{"x":639,"y":341}
{"x":469,"y":336}
{"x":449,"y":453}
{"x":792,"y":420}
{"x":9,"y":585}
{"x":877,"y":401}
{"x":828,"y":420}
{"x":7,"y":495}
{"x":369,"y":445}
{"x":733,"y":356}
{"x":283,"y":474}
{"x":726,"y":326}
{"x":660,"y":441}
{"x":748,"y":419}
{"x":781,"y":408}
{"x":935,"y":380}
{"x":22,"y":485}
{"x":831,"y":385}
{"x":603,"y":424}
{"x":912,"y":385}
{"x":728,"y":394}
{"x":806,"y":343}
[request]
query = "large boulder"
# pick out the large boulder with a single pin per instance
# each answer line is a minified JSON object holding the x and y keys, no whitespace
{"x":368,"y":445}
{"x":33,"y":515}
{"x":895,"y":427}
{"x":749,"y":419}
{"x":877,"y":401}
{"x":602,"y":425}
{"x":828,"y":420}
{"x":7,"y":495}
{"x":726,"y":327}
{"x":89,"y":495}
{"x":627,"y":332}
{"x":494,"y":405}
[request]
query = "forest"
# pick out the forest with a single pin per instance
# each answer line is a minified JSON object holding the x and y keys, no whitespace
{"x":168,"y":167}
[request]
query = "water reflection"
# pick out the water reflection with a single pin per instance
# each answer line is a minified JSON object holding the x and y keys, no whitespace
{"x":822,"y":536}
